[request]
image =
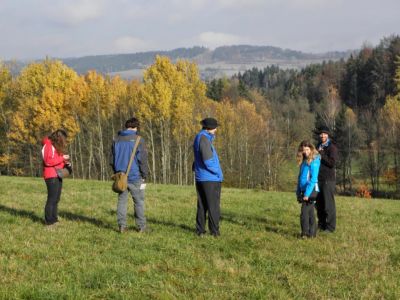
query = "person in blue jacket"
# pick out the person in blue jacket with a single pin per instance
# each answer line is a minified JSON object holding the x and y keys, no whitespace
{"x":309,"y":161}
{"x":208,"y":177}
{"x":121,"y":151}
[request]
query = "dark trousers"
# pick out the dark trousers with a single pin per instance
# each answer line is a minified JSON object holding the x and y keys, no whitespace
{"x":54,"y":186}
{"x":326,"y":208}
{"x":208,"y":200}
{"x":307,"y":219}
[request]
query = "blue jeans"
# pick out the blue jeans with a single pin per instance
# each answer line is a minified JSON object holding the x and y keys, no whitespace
{"x":138,"y":201}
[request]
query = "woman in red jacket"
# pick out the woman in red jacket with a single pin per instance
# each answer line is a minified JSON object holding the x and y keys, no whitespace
{"x":54,"y":158}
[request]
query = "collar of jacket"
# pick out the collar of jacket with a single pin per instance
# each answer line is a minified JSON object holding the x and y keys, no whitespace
{"x":210,"y":136}
{"x":326,"y":144}
{"x":127,"y":132}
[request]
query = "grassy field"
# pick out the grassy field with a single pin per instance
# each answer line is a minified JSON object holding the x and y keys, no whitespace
{"x":258,"y":256}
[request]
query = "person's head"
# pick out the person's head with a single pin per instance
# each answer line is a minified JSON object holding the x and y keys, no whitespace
{"x":306,"y":151}
{"x":210,"y":124}
{"x":132,"y":123}
{"x":323,"y":133}
{"x":59,"y":140}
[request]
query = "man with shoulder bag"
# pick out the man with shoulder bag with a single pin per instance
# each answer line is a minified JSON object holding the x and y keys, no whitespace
{"x":129,"y":163}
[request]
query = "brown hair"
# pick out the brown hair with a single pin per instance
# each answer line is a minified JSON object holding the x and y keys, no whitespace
{"x":132,"y":123}
{"x":59,"y":140}
{"x":300,"y":156}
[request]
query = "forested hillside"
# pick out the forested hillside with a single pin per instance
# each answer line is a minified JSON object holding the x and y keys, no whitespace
{"x":240,"y":54}
{"x":264,"y":114}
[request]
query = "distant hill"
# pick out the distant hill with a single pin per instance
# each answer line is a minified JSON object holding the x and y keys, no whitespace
{"x":225,"y":60}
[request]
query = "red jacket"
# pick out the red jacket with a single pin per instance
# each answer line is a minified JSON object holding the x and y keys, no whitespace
{"x":52,"y":160}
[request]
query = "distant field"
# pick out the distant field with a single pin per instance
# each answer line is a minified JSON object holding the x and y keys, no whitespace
{"x":258,"y":256}
{"x":221,"y":69}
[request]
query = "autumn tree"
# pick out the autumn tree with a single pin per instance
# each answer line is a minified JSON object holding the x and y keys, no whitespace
{"x":44,"y":96}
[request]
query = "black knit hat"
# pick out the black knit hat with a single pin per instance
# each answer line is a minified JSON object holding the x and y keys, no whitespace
{"x":323,"y":129}
{"x":209,"y":123}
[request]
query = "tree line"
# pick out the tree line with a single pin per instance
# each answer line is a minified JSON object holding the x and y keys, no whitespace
{"x":358,"y":99}
{"x":263,"y":114}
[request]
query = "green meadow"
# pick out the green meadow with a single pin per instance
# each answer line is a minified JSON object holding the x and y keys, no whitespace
{"x":258,"y":256}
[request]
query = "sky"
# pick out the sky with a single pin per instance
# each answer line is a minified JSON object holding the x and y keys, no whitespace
{"x":32,"y":29}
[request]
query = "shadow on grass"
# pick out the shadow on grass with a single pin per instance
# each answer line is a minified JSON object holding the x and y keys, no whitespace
{"x":64,"y":214}
{"x":171,"y":224}
{"x":161,"y":222}
{"x":22,"y":213}
{"x":79,"y":218}
{"x":251,"y":222}
{"x":243,"y":220}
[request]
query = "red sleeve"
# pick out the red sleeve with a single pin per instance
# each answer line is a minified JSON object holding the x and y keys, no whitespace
{"x":50,"y":156}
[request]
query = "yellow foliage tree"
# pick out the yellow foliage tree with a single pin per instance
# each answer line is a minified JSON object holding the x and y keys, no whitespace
{"x":170,"y":92}
{"x":44,"y":94}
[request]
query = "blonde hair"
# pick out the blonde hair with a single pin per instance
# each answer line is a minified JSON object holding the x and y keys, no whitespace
{"x":300,"y":156}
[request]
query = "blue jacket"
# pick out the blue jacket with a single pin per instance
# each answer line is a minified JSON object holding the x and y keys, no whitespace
{"x":206,"y":162}
{"x":308,"y":177}
{"x":121,"y":151}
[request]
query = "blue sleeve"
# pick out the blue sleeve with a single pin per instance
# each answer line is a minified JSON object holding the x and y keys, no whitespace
{"x":314,"y":170}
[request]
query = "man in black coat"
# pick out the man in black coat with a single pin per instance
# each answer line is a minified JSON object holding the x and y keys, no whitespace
{"x":326,"y":209}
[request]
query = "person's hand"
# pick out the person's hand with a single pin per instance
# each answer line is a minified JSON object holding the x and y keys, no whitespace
{"x":305,"y":198}
{"x":66,"y":157}
{"x":143,"y":185}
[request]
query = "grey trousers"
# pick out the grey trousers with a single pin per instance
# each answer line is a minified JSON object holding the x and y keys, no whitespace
{"x":307,"y":219}
{"x":138,"y":201}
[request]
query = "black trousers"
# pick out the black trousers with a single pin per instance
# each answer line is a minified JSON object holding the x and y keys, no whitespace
{"x":326,"y":208}
{"x":54,"y":186}
{"x":307,"y":219}
{"x":208,"y":201}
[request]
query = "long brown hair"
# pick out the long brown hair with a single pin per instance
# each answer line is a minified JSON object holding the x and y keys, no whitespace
{"x":300,"y":156}
{"x":59,"y":140}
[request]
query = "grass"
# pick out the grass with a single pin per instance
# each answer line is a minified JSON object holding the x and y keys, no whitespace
{"x":258,"y":256}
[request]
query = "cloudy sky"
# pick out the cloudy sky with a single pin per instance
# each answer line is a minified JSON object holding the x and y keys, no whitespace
{"x":70,"y":28}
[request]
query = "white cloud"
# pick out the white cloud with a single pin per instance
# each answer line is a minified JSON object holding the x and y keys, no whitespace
{"x":75,"y":12}
{"x":212,"y":39}
{"x":129,"y":44}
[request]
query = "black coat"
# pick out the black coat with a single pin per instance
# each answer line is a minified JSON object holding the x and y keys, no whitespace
{"x":329,"y":157}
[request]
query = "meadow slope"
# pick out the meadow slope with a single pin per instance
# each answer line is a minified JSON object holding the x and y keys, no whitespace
{"x":258,"y":256}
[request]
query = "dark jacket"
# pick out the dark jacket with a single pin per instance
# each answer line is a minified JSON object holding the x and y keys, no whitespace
{"x":121,"y":151}
{"x":206,"y":161}
{"x":329,"y":156}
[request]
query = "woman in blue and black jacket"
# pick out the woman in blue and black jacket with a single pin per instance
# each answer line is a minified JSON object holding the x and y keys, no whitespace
{"x":309,"y":161}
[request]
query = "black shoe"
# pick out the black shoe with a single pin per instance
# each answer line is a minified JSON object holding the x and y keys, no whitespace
{"x":122,"y":229}
{"x":200,"y":234}
{"x":215,"y":234}
{"x":145,"y":229}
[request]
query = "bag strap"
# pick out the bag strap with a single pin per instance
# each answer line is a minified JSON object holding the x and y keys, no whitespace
{"x":133,"y":153}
